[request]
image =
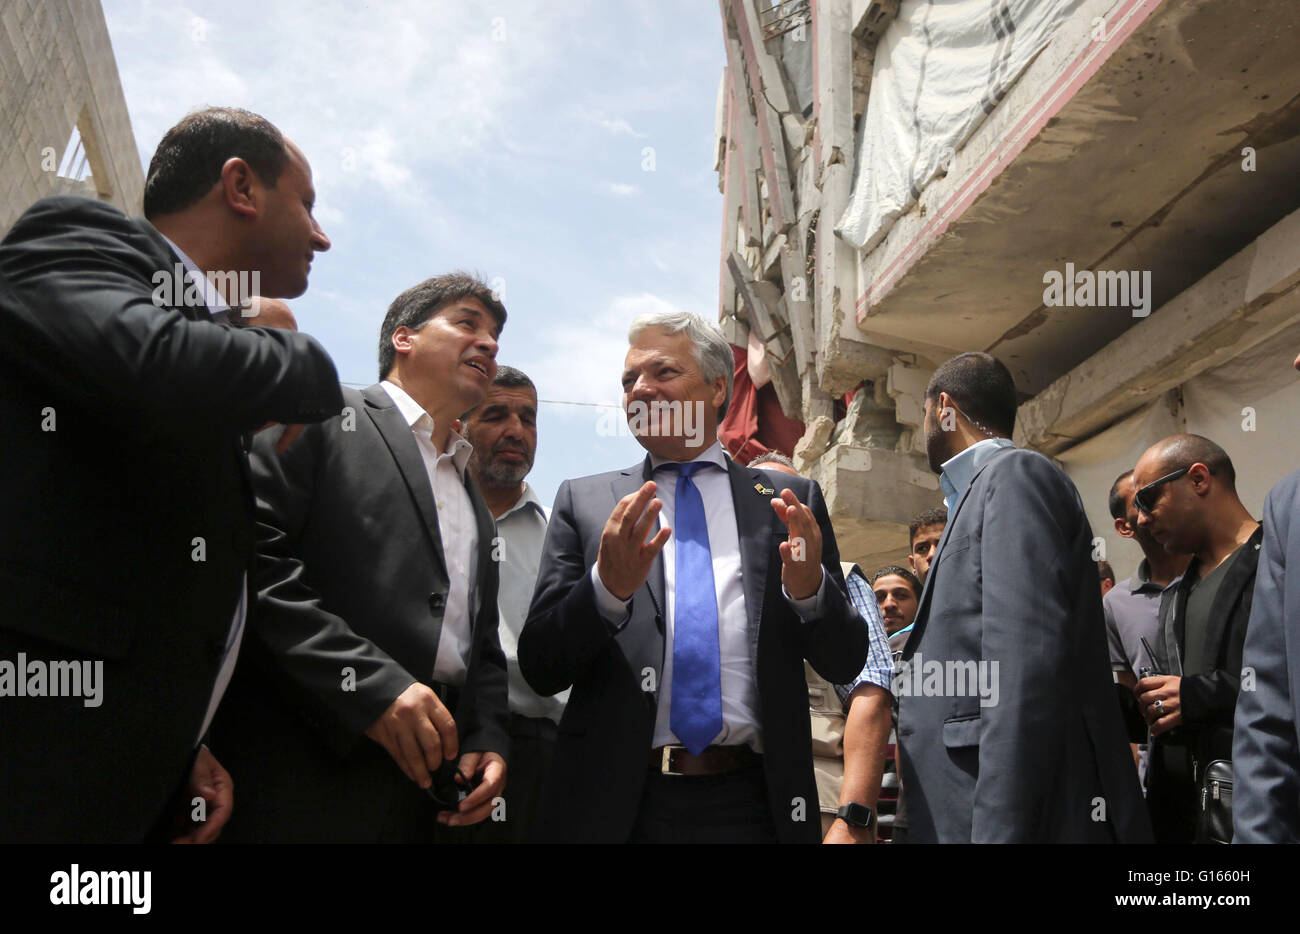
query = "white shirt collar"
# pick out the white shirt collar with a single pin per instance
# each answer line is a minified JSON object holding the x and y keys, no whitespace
{"x":526,"y":499}
{"x":211,"y":297}
{"x":713,"y":454}
{"x":960,"y":470}
{"x":421,"y":422}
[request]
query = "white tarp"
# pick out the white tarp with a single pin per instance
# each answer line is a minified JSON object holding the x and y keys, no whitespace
{"x":941,"y":67}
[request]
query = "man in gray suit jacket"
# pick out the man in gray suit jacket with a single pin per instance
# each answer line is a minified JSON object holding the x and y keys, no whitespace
{"x":688,"y":720}
{"x":1007,"y":716}
{"x":1265,"y":746}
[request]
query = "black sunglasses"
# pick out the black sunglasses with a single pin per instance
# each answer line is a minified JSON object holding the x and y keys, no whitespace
{"x":1142,"y":499}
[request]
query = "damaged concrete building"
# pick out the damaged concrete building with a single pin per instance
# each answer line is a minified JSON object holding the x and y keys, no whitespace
{"x":1101,"y":193}
{"x":61,"y":101}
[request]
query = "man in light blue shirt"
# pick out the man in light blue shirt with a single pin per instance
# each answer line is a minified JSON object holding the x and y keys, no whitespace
{"x":1008,"y":723}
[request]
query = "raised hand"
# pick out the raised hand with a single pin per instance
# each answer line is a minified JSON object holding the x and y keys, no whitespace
{"x":801,"y":552}
{"x":625,"y":556}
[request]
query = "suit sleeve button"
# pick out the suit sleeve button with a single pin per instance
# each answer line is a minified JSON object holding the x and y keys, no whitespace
{"x":436,"y":602}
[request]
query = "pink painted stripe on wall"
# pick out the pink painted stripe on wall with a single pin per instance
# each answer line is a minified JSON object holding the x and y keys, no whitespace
{"x":1129,"y":15}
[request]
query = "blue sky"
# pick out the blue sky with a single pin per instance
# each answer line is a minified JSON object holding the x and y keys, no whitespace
{"x":506,"y":138}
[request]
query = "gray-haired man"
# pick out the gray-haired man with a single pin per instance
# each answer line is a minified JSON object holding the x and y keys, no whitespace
{"x":688,"y":719}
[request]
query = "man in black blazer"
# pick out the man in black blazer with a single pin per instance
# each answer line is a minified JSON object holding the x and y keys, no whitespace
{"x":1007,"y":721}
{"x":1187,"y":500}
{"x":126,"y":527}
{"x":688,"y":719}
{"x":376,"y":619}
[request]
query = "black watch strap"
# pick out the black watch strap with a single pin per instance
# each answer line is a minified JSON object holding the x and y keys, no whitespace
{"x":857,"y":815}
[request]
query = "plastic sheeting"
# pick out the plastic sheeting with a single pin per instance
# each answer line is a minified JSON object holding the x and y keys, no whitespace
{"x":1247,"y":406}
{"x":941,"y":67}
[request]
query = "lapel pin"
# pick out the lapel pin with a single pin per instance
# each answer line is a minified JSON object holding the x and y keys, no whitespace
{"x":766,"y":491}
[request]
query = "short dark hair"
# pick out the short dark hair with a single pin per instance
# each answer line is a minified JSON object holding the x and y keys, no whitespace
{"x":893,"y":569}
{"x":1118,"y":507}
{"x":414,"y":307}
{"x":508,"y":377}
{"x":511,"y":378}
{"x":1106,"y":572}
{"x":188,"y":160}
{"x":1185,"y":450}
{"x":982,"y":387}
{"x":936,"y":516}
{"x":772,"y":457}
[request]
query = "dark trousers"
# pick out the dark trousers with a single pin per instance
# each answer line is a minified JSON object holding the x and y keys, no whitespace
{"x":532,"y":747}
{"x":1173,"y":798}
{"x":731,"y":808}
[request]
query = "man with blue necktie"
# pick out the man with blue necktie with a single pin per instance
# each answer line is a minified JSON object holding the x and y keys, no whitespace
{"x":684,"y":645}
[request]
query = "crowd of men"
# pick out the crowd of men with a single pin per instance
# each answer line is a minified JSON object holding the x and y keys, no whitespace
{"x":245,"y":602}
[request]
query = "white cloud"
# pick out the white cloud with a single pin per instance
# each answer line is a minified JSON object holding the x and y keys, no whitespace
{"x":328,"y":216}
{"x":581,"y":362}
{"x":616,"y":126}
{"x":406,"y":84}
{"x":619,"y":188}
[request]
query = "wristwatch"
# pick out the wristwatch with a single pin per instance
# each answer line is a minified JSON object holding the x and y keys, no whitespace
{"x":857,"y":815}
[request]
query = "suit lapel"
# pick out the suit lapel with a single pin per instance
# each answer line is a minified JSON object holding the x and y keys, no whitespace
{"x":401,"y":444}
{"x":487,"y":531}
{"x":1174,"y":635}
{"x":168,"y":264}
{"x":1238,"y":577}
{"x":627,"y":482}
{"x":642,"y":640}
{"x":754,"y":518}
{"x":923,"y":607}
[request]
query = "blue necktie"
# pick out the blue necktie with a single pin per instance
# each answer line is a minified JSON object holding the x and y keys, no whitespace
{"x":696,"y":704}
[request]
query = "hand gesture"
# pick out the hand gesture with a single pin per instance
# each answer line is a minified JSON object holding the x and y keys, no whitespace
{"x":625,"y":556}
{"x":801,"y":552}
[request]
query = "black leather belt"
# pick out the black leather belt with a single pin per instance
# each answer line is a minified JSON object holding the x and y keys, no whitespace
{"x":715,"y":760}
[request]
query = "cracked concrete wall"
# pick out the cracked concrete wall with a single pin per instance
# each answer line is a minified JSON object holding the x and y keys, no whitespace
{"x":57,"y":71}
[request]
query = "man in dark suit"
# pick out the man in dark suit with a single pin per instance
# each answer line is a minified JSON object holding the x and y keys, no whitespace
{"x":688,"y":719}
{"x":374,"y":655}
{"x":127,"y":528}
{"x":1007,"y":719}
{"x":1186,"y":499}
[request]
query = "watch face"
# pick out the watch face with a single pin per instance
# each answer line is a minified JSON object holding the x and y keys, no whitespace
{"x":857,"y":815}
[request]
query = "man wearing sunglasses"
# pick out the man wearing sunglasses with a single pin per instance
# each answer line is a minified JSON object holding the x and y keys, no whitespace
{"x":1187,"y":500}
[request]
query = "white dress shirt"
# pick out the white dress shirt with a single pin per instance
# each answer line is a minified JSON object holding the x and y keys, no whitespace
{"x":522,"y":529}
{"x":458,"y":528}
{"x":215,"y":306}
{"x":740,"y":709}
